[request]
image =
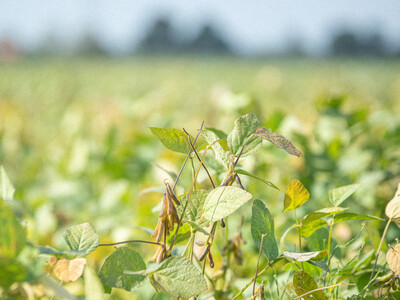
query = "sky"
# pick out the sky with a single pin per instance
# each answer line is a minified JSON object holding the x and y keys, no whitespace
{"x":251,"y":26}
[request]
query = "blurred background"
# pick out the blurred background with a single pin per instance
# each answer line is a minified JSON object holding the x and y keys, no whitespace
{"x":80,"y":82}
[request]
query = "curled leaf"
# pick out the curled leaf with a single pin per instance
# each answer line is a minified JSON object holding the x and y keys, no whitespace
{"x":393,"y":207}
{"x":393,"y":259}
{"x":306,"y":256}
{"x":278,"y":140}
{"x":68,"y":270}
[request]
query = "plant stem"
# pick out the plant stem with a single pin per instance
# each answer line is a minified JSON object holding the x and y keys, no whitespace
{"x":258,"y":262}
{"x":251,"y":281}
{"x":241,"y":151}
{"x":187,"y":156}
{"x":299,"y":232}
{"x":132,"y":241}
{"x":189,"y":195}
{"x":198,"y":157}
{"x":379,"y":249}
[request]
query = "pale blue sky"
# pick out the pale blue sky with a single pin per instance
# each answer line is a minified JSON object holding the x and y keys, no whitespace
{"x":251,"y":26}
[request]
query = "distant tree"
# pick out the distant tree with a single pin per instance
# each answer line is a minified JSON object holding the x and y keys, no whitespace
{"x":89,"y":46}
{"x":348,"y":43}
{"x":160,"y":38}
{"x":208,"y":41}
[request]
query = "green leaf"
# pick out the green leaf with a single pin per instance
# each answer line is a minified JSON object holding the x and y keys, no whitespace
{"x":223,"y":201}
{"x":282,"y":240}
{"x":304,"y":283}
{"x":173,"y":139}
{"x":219,"y":133}
{"x":11,"y":271}
{"x":6,"y":187}
{"x":306,"y":256}
{"x":244,"y":172}
{"x":338,"y":195}
{"x":295,"y":196}
{"x":263,"y":223}
{"x":178,"y":277}
{"x":112,"y":273}
{"x":318,"y":240}
{"x":220,"y":153}
{"x":82,"y":237}
{"x":244,"y":127}
{"x":93,"y":287}
{"x":195,"y":207}
{"x":320,"y":264}
{"x":51,"y":251}
{"x":12,"y":234}
{"x":313,"y":221}
{"x":197,"y":227}
{"x":278,"y":140}
{"x":183,"y":234}
{"x":352,"y":216}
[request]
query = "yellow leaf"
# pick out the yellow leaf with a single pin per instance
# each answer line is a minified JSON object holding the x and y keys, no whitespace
{"x":69,"y":270}
{"x":393,"y":259}
{"x":295,"y":196}
{"x":393,"y":207}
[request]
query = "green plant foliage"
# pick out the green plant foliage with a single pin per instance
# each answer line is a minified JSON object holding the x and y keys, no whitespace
{"x":82,"y":237}
{"x":195,"y":206}
{"x":338,"y":195}
{"x":353,"y":216}
{"x":114,"y":271}
{"x":178,"y":277}
{"x":244,"y":127}
{"x":12,"y":234}
{"x":93,"y":287}
{"x":304,"y":283}
{"x":223,"y":201}
{"x":220,"y":153}
{"x":278,"y":140}
{"x":244,"y":172}
{"x":295,"y":196}
{"x":263,"y":223}
{"x":313,"y":221}
{"x":173,"y":139}
{"x":6,"y":187}
{"x":306,"y":256}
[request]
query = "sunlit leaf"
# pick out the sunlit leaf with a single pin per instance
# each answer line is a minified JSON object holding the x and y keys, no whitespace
{"x":244,"y":127}
{"x":195,"y":206}
{"x":320,"y":264}
{"x":173,"y":139}
{"x":12,"y":234}
{"x":295,"y":196}
{"x":220,"y":153}
{"x":393,"y":207}
{"x":178,"y":277}
{"x":306,"y":256}
{"x":113,"y":271}
{"x":82,"y":237}
{"x":304,"y":283}
{"x":313,"y":221}
{"x":393,"y":259}
{"x":197,"y":227}
{"x":244,"y":172}
{"x":6,"y":187}
{"x":352,"y":216}
{"x":68,"y":270}
{"x":338,"y":195}
{"x":223,"y":201}
{"x":263,"y":223}
{"x":278,"y":140}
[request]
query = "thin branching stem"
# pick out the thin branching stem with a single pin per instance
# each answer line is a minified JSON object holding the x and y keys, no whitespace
{"x":379,"y":250}
{"x":187,"y":157}
{"x":198,"y":157}
{"x":258,"y":262}
{"x":241,"y":151}
{"x":251,"y":281}
{"x":131,"y":241}
{"x":189,"y":195}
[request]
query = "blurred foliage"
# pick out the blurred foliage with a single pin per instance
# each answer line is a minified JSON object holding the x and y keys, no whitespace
{"x":74,"y":142}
